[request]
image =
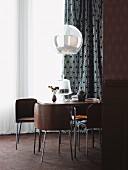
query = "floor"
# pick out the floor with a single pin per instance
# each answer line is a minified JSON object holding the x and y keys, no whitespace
{"x":24,"y":159}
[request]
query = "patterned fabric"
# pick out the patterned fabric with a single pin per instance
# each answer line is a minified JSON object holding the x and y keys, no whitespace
{"x":84,"y":70}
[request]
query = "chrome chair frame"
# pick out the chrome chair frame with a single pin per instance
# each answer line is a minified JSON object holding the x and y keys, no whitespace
{"x":94,"y":111}
{"x":51,"y":118}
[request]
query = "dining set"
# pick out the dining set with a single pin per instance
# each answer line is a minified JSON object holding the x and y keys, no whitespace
{"x":59,"y":116}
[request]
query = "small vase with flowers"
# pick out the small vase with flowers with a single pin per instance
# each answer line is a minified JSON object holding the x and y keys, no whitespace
{"x":54,"y":90}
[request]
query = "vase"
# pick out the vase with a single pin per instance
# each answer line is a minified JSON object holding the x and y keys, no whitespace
{"x":54,"y":98}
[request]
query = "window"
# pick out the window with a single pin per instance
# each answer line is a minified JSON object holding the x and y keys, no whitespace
{"x":47,"y":21}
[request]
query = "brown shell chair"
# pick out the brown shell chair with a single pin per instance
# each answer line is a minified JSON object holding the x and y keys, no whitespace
{"x":24,"y":113}
{"x":52,"y":118}
{"x":93,"y":121}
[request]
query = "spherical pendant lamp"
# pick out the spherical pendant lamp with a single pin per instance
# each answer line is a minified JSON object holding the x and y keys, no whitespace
{"x":70,"y":41}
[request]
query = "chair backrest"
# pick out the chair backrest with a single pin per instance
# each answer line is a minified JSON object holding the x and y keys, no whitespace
{"x":94,"y":116}
{"x":82,"y":110}
{"x":51,"y":117}
{"x":24,"y":108}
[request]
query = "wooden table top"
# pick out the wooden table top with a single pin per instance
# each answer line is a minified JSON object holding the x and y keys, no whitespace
{"x":67,"y":103}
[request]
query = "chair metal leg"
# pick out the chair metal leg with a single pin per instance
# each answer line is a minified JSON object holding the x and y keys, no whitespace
{"x":43,"y":146}
{"x":34,"y":141}
{"x":100,"y":136}
{"x":40,"y":138}
{"x":59,"y":141}
{"x":19,"y":132}
{"x":87,"y":143}
{"x":16,"y":136}
{"x":75,"y":132}
{"x":78,"y":137}
{"x":92,"y":137}
{"x":70,"y":134}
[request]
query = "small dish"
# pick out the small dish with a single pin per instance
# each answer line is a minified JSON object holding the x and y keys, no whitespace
{"x":67,"y":100}
{"x":74,"y":100}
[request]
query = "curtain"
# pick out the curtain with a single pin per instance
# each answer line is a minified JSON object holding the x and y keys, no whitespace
{"x":14,"y":67}
{"x":8,"y":61}
{"x":84,"y":70}
{"x":29,"y":62}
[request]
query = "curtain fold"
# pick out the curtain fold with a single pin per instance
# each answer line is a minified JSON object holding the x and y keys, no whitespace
{"x":8,"y":58}
{"x":84,"y":70}
{"x":29,"y":61}
{"x":14,"y":71}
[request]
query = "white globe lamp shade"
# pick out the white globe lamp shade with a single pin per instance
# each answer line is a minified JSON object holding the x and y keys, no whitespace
{"x":70,"y":41}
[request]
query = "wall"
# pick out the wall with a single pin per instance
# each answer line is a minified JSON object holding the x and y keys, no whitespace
{"x":115,"y":85}
{"x":115,"y":39}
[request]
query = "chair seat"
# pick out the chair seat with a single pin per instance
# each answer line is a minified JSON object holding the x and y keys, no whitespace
{"x":81,"y":117}
{"x":25,"y":119}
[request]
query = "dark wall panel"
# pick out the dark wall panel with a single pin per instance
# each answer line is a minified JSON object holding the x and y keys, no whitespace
{"x":115,"y":125}
{"x":115,"y":85}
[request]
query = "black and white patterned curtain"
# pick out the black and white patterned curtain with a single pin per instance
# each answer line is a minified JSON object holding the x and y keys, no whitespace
{"x":84,"y":70}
